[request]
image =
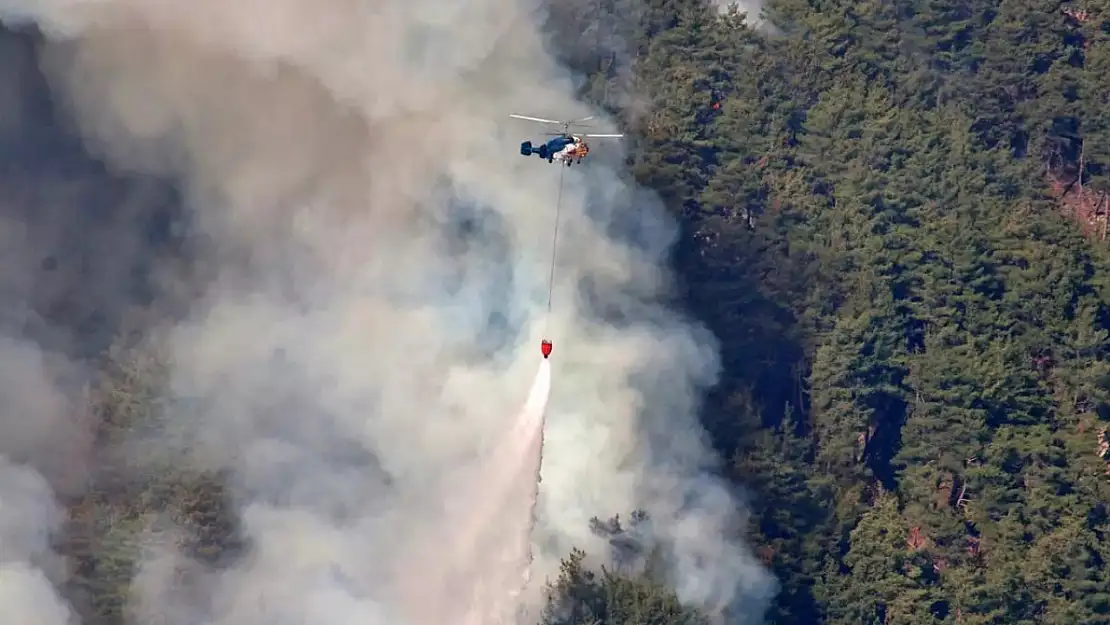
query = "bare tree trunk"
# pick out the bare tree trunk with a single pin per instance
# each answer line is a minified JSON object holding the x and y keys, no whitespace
{"x":1082,"y":166}
{"x":1102,"y":203}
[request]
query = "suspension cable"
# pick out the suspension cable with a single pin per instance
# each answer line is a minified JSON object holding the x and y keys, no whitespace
{"x":555,"y":238}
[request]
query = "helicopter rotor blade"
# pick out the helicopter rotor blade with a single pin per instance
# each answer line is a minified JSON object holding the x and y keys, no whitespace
{"x":535,"y":119}
{"x":603,"y":136}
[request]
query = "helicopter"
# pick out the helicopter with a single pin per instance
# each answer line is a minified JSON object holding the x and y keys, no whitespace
{"x":563,"y":146}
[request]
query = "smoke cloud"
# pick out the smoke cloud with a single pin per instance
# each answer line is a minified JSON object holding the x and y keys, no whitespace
{"x":373,"y":254}
{"x":31,"y":406}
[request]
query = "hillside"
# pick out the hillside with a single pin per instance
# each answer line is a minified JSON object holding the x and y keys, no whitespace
{"x":893,"y":218}
{"x":886,"y":221}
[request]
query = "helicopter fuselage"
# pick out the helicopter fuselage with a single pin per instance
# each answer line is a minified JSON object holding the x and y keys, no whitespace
{"x":563,"y":148}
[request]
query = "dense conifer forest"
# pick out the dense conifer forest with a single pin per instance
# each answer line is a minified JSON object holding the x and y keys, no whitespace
{"x":894,"y":219}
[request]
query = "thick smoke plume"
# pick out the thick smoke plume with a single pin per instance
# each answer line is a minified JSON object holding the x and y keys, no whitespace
{"x":374,"y":253}
{"x":32,"y":408}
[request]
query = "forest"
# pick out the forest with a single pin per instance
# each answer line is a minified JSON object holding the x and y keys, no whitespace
{"x":894,"y":219}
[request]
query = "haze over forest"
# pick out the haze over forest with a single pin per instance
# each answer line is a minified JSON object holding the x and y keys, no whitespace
{"x":830,"y":323}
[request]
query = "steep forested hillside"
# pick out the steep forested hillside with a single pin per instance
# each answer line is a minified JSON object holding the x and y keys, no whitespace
{"x":893,"y":217}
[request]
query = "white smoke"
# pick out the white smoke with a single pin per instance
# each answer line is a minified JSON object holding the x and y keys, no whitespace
{"x":30,"y":406}
{"x":28,"y":515}
{"x":334,"y":154}
{"x":28,"y":597}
